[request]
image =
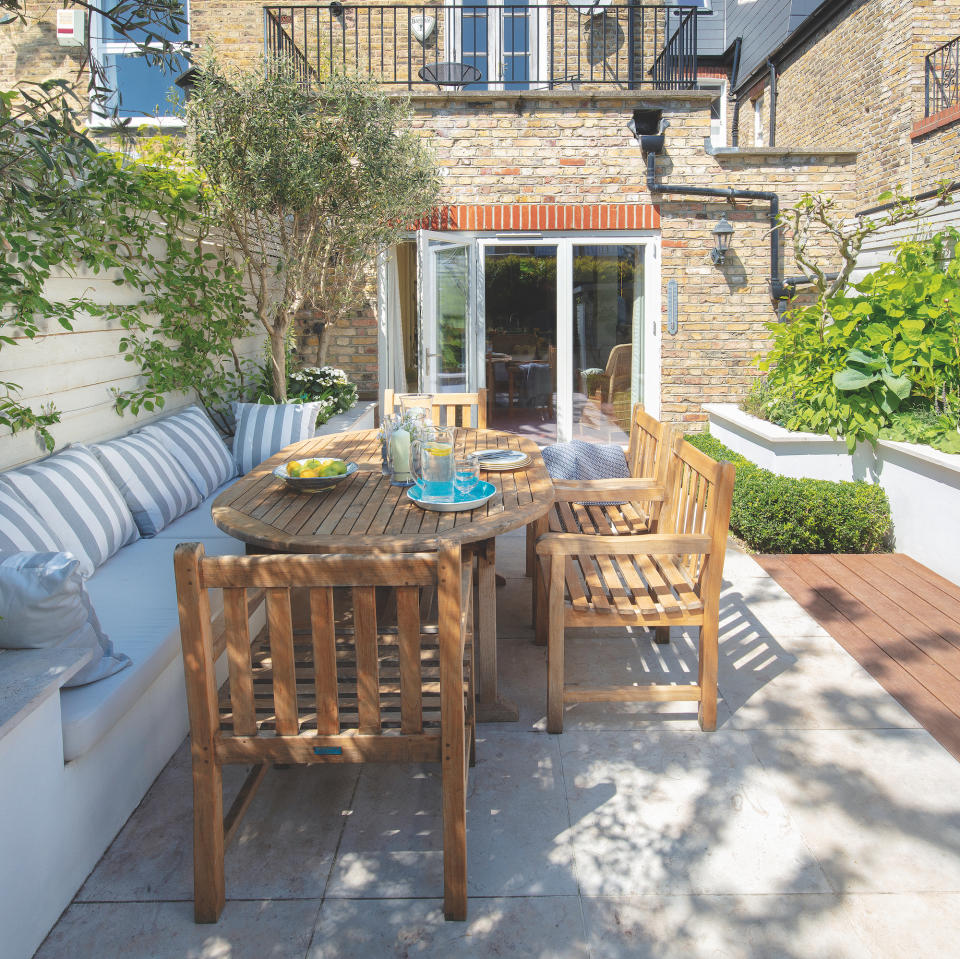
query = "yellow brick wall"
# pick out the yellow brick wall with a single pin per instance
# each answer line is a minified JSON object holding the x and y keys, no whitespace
{"x":859,"y":81}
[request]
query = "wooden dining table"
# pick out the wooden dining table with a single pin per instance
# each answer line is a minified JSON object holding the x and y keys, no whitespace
{"x":366,"y":514}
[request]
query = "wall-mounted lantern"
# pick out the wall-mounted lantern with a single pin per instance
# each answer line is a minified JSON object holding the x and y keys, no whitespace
{"x":722,"y":233}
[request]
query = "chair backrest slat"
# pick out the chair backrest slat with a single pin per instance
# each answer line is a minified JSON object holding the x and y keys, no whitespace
{"x":447,"y":409}
{"x":238,"y":658}
{"x":324,"y":637}
{"x":280,"y":624}
{"x":408,"y":640}
{"x":368,"y":679}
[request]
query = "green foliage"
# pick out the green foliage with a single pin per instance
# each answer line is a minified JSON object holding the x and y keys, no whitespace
{"x":843,"y":365}
{"x":327,"y":384}
{"x":780,"y":514}
{"x":920,"y":425}
{"x":310,"y":186}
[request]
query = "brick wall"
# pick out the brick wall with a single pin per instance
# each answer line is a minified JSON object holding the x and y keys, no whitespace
{"x":570,"y":150}
{"x":859,"y":81}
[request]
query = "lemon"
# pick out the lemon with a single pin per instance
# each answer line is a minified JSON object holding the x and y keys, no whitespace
{"x":309,"y":474}
{"x":438,"y":449}
{"x":293,"y":469}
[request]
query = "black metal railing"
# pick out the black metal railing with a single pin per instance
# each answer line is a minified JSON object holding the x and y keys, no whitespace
{"x":496,"y":47}
{"x":942,"y":86}
{"x":675,"y":67}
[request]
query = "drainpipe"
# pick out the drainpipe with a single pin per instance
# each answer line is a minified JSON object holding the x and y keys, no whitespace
{"x":734,"y":77}
{"x":778,"y":290}
{"x":773,"y":103}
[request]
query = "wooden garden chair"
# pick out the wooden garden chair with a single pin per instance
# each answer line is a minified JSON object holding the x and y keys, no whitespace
{"x":634,"y":509}
{"x":369,"y":682}
{"x":670,"y":577}
{"x":447,"y":409}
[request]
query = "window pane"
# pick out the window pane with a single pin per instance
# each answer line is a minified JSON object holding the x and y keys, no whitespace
{"x":144,"y":89}
{"x":607,"y":311}
{"x":110,"y":33}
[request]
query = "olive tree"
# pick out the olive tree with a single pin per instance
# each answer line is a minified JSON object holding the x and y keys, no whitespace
{"x":311,"y":185}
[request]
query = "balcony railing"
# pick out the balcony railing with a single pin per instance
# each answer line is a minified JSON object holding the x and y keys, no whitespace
{"x":942,"y":73}
{"x":488,"y":47}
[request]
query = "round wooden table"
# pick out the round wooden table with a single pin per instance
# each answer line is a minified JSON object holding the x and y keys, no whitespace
{"x":366,"y":514}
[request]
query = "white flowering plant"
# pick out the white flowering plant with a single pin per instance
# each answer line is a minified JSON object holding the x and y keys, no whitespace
{"x":324,"y":384}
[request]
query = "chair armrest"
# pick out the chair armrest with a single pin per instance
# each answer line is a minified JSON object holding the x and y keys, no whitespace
{"x":608,"y":490}
{"x":649,"y":544}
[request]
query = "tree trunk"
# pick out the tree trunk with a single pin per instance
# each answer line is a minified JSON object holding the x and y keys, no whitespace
{"x":278,"y":364}
{"x":323,"y":341}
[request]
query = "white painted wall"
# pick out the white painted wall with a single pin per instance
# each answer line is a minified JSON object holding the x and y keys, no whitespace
{"x":922,"y":484}
{"x":76,"y":370}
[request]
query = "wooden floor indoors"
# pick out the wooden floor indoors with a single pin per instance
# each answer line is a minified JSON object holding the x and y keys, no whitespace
{"x":898,"y":619}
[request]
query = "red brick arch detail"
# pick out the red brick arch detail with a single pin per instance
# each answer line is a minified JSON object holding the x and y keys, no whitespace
{"x":503,"y":217}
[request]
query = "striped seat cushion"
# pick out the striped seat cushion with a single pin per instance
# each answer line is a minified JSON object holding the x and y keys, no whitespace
{"x":77,"y":500}
{"x":21,"y":529}
{"x":196,"y":446}
{"x":153,"y":484}
{"x":264,"y":430}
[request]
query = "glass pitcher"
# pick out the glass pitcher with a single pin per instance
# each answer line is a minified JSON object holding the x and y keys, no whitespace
{"x":433,"y":464}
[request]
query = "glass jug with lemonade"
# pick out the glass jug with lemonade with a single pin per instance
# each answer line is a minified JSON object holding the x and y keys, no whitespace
{"x":433,"y":464}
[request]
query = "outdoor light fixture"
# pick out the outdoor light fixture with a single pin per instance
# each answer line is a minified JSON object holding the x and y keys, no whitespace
{"x":722,"y":233}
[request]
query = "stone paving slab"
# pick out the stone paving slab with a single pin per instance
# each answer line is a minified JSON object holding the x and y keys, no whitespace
{"x":817,"y":823}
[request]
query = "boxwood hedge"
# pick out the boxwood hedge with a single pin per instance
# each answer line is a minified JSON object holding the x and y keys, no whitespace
{"x":780,"y":514}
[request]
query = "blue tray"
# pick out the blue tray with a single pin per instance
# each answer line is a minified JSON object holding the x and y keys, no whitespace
{"x":480,"y":494}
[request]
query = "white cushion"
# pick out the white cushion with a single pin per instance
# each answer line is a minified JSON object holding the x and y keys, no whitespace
{"x":264,"y":430}
{"x":20,"y":526}
{"x":197,"y":447}
{"x":154,"y":485}
{"x":77,"y":500}
{"x":136,"y":600}
{"x":43,"y":604}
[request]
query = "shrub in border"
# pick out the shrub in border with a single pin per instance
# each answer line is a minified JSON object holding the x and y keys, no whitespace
{"x":780,"y":514}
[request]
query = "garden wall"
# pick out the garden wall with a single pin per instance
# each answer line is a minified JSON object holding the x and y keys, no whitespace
{"x":77,"y":370}
{"x":922,"y":484}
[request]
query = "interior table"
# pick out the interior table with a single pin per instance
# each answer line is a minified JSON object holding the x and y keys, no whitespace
{"x":365,"y":513}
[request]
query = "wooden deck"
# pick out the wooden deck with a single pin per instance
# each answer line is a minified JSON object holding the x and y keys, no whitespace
{"x":898,"y":619}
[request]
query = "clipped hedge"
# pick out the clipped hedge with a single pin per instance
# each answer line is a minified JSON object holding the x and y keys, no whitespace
{"x":780,"y":514}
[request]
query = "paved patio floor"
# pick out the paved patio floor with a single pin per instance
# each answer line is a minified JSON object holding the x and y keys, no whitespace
{"x":818,"y":821}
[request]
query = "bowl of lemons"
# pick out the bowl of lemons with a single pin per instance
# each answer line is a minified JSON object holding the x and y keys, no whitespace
{"x":321,"y":473}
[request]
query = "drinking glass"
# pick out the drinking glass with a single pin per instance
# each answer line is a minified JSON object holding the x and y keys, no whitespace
{"x":467,"y":474}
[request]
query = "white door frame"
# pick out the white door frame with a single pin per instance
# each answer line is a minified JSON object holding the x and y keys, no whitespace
{"x":651,"y":347}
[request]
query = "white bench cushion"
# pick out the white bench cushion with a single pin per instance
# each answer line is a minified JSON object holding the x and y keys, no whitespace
{"x":135,"y":597}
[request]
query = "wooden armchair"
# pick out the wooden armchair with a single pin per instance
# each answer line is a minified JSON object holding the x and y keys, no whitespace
{"x":371,"y":682}
{"x":670,"y":577}
{"x":634,"y":509}
{"x":448,"y":409}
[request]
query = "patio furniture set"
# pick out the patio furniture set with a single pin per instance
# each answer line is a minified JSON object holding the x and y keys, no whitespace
{"x":355,"y":629}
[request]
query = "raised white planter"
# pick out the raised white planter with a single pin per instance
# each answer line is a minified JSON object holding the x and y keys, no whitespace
{"x":922,"y":484}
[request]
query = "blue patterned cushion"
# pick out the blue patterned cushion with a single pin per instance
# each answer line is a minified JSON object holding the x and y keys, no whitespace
{"x":154,"y":485}
{"x":78,"y":502}
{"x":196,"y":446}
{"x":264,"y":430}
{"x":20,"y":526}
{"x":582,"y":461}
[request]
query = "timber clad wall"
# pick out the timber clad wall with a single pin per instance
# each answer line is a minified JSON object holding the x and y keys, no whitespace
{"x":859,"y":79}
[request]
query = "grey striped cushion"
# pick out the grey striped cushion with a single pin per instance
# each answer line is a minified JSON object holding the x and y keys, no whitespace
{"x":21,"y":529}
{"x":263,"y":430}
{"x":153,"y":484}
{"x":196,"y":446}
{"x":76,"y":499}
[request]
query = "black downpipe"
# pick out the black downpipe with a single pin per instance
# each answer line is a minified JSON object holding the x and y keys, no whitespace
{"x":773,"y":103}
{"x":778,"y":290}
{"x":735,"y":134}
{"x":734,"y":76}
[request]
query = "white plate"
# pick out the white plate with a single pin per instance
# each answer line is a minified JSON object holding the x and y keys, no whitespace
{"x":511,"y":460}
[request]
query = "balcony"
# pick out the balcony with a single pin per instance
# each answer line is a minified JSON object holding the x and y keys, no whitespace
{"x":547,"y":46}
{"x":942,"y":70}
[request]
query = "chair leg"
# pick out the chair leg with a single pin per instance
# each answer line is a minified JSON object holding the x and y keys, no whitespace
{"x":709,"y":654}
{"x":209,"y":885}
{"x":554,"y":618}
{"x":661,"y":635}
{"x":539,"y":598}
{"x":531,"y":550}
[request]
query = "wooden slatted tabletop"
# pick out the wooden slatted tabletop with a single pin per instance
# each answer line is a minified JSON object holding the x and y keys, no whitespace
{"x":365,"y":513}
{"x":898,"y":619}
